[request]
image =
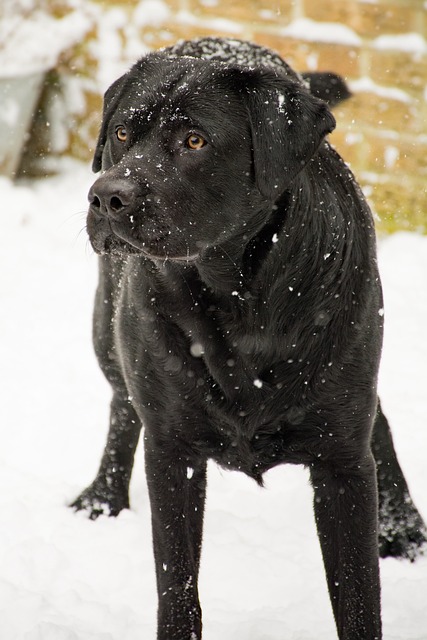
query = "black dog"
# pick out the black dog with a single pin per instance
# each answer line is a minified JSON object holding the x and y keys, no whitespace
{"x":239,"y":315}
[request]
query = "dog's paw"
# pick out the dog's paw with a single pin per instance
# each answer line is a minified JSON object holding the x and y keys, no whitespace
{"x":99,"y":499}
{"x":402,"y":532}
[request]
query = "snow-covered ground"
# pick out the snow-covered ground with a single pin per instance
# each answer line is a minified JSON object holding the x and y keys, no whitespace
{"x":63,"y":577}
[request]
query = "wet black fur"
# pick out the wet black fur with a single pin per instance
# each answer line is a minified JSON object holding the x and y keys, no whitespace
{"x":239,"y":317}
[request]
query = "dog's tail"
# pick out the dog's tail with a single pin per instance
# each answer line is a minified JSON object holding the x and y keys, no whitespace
{"x":329,"y":87}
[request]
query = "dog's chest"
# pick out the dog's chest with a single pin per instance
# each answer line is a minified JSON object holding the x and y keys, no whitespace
{"x":186,"y":337}
{"x":210,"y":369}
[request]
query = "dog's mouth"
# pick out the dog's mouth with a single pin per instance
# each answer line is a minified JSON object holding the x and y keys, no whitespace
{"x":110,"y":238}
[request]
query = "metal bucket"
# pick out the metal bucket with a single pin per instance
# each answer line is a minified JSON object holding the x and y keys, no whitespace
{"x":18,"y":100}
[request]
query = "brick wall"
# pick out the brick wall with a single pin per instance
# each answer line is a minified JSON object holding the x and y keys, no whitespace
{"x":379,"y":46}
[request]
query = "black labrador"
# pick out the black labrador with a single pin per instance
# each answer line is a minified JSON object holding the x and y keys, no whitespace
{"x":239,"y":315}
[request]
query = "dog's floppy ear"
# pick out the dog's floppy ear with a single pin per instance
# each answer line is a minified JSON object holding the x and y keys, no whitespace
{"x":288,"y":125}
{"x":111,"y":98}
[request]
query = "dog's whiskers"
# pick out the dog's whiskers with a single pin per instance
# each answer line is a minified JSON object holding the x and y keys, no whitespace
{"x":88,"y":247}
{"x":80,"y":214}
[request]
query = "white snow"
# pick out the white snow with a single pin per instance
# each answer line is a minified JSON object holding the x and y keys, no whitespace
{"x":391,"y":156}
{"x":63,"y":577}
{"x":367,"y":84}
{"x":151,"y":12}
{"x":190,"y":473}
{"x":185,"y":17}
{"x":32,"y":40}
{"x":408,"y":42}
{"x":322,"y":32}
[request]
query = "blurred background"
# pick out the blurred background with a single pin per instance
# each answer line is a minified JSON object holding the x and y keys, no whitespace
{"x":57,"y":57}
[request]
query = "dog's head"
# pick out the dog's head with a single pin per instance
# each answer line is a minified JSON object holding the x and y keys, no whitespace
{"x":194,"y":152}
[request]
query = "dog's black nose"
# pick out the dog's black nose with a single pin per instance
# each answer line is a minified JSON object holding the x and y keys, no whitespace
{"x":112,"y":197}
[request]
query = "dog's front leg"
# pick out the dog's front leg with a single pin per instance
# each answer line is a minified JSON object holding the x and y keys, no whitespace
{"x":345,"y":503}
{"x":177,"y":488}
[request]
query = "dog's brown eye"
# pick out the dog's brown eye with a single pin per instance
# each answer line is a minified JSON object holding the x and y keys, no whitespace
{"x":195,"y":142}
{"x":121,"y":134}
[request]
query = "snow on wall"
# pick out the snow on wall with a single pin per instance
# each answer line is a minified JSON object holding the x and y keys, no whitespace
{"x":31,"y":40}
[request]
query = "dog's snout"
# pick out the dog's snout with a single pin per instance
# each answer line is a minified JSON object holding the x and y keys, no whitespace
{"x":112,"y":197}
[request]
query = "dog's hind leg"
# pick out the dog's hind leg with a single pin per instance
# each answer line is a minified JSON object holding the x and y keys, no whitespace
{"x":345,"y":505}
{"x":402,"y":532}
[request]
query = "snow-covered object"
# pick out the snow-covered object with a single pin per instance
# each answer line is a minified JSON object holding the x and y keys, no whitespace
{"x":18,"y":97}
{"x":31,"y":39}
